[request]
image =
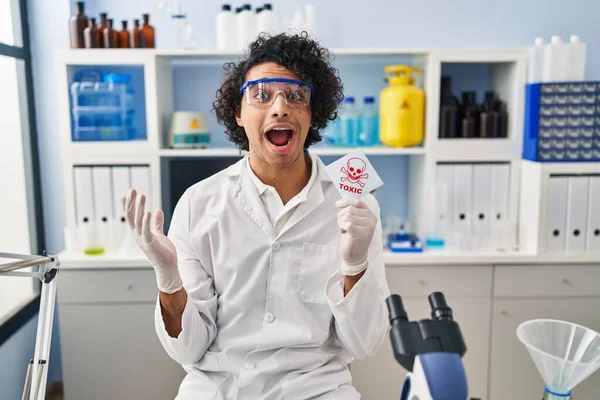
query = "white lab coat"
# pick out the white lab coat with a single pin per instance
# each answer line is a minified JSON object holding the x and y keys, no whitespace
{"x":266,"y":317}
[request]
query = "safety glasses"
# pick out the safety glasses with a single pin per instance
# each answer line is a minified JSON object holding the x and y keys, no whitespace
{"x":263,"y":92}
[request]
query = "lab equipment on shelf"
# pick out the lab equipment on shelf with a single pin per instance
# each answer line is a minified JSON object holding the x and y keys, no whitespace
{"x":353,"y":127}
{"x":136,"y":34}
{"x":398,"y":239}
{"x":468,"y":119}
{"x":90,"y":35}
{"x":189,"y":129}
{"x":111,"y":37}
{"x":77,"y":24}
{"x":100,"y":29}
{"x":148,"y":33}
{"x":562,"y":121}
{"x":236,"y":27}
{"x":401,"y":108}
{"x":226,"y":29}
{"x":102,"y":107}
{"x":104,"y":35}
{"x":556,"y":61}
{"x":368,"y":123}
{"x":124,"y":40}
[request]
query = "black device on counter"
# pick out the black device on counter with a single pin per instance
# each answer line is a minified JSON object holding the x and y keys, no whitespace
{"x":438,"y":334}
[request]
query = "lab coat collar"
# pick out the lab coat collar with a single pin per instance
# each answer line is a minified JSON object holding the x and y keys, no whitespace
{"x":251,"y":203}
{"x":262,"y":187}
{"x":236,"y":169}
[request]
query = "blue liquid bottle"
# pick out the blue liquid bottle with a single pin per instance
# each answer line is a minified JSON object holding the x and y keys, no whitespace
{"x":348,"y":124}
{"x":369,"y":123}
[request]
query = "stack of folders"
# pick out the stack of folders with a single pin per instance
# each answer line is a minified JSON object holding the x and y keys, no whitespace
{"x":100,"y":223}
{"x":573,"y":214}
{"x":471,"y":211}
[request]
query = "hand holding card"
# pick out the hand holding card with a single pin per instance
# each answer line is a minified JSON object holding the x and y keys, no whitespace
{"x":354,"y":177}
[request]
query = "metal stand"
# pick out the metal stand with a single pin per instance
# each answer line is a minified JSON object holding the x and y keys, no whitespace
{"x":37,"y":370}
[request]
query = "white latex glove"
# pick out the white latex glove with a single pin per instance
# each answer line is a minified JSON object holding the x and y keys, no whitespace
{"x":357,"y":225}
{"x":156,"y":246}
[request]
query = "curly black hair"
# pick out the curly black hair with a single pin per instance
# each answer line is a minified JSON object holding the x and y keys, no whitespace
{"x":301,"y":55}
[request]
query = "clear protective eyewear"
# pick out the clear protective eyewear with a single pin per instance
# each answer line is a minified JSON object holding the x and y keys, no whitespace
{"x":263,"y":92}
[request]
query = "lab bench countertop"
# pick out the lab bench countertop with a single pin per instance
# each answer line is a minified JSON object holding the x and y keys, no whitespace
{"x":74,"y":260}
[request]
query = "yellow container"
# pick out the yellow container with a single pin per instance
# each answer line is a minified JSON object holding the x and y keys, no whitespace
{"x":401,"y":108}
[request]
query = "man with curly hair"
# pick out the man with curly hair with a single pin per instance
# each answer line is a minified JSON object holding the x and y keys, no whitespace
{"x":270,"y":283}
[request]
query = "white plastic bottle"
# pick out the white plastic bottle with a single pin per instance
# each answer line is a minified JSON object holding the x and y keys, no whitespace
{"x":297,"y":25}
{"x":257,"y":30}
{"x":535,"y":67}
{"x":556,"y":61}
{"x":268,"y":21}
{"x":226,"y":29}
{"x":311,"y":19}
{"x":577,"y":50}
{"x":245,"y":27}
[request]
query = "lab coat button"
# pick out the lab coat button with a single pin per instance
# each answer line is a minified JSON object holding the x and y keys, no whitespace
{"x":269,"y":317}
{"x":249,"y":366}
{"x":276,"y":246}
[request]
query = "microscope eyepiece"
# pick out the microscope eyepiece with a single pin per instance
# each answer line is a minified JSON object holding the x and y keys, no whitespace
{"x":439,"y":307}
{"x":396,"y":308}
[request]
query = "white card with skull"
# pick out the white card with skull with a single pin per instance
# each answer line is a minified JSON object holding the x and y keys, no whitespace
{"x":353,"y":175}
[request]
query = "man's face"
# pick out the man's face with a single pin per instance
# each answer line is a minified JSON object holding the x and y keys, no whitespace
{"x":276,"y":132}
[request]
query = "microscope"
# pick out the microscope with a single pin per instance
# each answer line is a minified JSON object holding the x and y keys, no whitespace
{"x":430,"y":349}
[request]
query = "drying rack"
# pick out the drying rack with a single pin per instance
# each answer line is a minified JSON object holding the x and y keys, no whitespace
{"x":47,"y":269}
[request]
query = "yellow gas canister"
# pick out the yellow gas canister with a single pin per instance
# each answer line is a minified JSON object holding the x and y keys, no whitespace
{"x":401,"y":108}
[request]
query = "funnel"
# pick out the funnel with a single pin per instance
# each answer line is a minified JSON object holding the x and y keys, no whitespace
{"x":564,"y":353}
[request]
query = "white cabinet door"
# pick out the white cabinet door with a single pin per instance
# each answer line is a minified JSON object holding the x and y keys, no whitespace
{"x":111,"y":351}
{"x":512,"y":374}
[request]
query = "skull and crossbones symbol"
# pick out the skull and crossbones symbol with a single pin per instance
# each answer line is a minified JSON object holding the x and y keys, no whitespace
{"x":355,"y":171}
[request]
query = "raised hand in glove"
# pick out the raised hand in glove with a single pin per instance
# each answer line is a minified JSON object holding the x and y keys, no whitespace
{"x":357,"y":225}
{"x":150,"y":238}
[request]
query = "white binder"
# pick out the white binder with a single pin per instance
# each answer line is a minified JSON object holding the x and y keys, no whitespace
{"x":444,"y":198}
{"x":140,"y":181}
{"x":556,"y":214}
{"x":577,"y":209}
{"x":84,"y":195}
{"x":500,"y":195}
{"x":463,"y":195}
{"x":593,"y":229}
{"x":120,"y":187}
{"x":103,"y":204}
{"x":481,"y":211}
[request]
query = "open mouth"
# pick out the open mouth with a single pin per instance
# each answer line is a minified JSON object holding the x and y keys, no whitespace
{"x":280,"y":137}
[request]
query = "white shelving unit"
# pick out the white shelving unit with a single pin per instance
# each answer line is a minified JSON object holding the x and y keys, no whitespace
{"x":507,"y":76}
{"x":487,"y":309}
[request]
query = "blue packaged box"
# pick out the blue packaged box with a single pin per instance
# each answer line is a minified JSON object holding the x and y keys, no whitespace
{"x":562,"y":122}
{"x":102,"y":107}
{"x":404,"y":243}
